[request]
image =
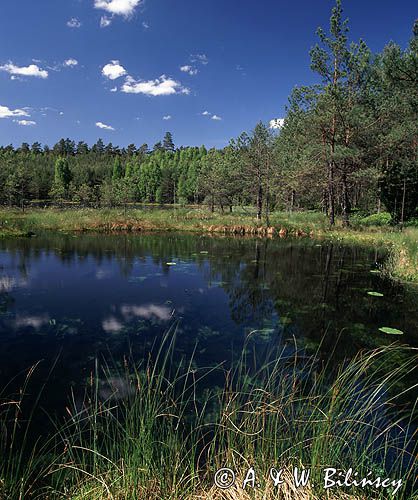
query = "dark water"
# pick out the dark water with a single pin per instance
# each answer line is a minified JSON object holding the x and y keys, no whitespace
{"x":70,"y":299}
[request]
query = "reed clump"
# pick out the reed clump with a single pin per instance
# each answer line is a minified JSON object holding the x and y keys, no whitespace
{"x":161,"y":429}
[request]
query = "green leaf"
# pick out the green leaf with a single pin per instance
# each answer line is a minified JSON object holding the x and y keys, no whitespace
{"x":390,"y":331}
{"x":375,"y":294}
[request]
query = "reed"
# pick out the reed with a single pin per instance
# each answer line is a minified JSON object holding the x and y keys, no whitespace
{"x":160,"y":430}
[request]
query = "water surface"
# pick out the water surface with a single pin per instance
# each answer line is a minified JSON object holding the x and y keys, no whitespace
{"x":71,"y":299}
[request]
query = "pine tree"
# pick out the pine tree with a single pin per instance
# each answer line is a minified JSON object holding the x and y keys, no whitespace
{"x":168,"y":144}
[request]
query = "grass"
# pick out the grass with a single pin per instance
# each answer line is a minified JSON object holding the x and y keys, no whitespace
{"x":159,"y":430}
{"x":402,"y":263}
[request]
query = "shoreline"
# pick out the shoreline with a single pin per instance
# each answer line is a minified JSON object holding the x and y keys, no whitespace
{"x":402,"y":262}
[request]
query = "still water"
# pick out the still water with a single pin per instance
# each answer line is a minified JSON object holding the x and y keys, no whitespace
{"x":68,"y":300}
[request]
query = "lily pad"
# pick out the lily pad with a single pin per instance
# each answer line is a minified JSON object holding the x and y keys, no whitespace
{"x":375,"y":294}
{"x":171,"y":263}
{"x":390,"y":331}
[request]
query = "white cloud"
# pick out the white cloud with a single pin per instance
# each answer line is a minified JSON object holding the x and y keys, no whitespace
{"x":5,"y":112}
{"x":31,"y":70}
{"x":148,"y":311}
{"x":113,"y":70}
{"x":118,"y":7}
{"x":33,"y":321}
{"x":25,"y":123}
{"x":167,"y":117}
{"x":276,"y":123}
{"x":200,"y":58}
{"x":189,"y":69}
{"x":112,"y":325}
{"x":104,"y":126}
{"x":216,"y":118}
{"x":145,"y":25}
{"x":114,"y":89}
{"x":105,"y":22}
{"x":206,"y":113}
{"x":74,"y":23}
{"x":157,"y":87}
{"x":70,"y":63}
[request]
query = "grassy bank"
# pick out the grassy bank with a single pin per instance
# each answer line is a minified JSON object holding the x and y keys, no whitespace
{"x":159,"y":431}
{"x":402,"y":245}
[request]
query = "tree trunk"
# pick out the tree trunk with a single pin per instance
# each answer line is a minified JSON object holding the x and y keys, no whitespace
{"x":345,"y":201}
{"x":259,"y":201}
{"x":331,"y":201}
{"x":292,"y":200}
{"x":403,"y":200}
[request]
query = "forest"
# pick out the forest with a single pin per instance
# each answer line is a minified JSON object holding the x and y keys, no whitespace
{"x":348,"y":145}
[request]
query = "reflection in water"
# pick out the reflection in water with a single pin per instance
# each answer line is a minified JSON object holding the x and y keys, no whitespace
{"x":163,"y":313}
{"x":87,"y":296}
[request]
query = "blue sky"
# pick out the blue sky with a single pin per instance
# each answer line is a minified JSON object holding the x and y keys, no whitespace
{"x":73,"y":68}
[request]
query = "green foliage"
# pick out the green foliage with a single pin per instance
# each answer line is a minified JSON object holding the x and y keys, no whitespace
{"x":390,"y":331}
{"x":118,"y":171}
{"x":381,"y":219}
{"x":348,"y":145}
{"x":62,"y":179}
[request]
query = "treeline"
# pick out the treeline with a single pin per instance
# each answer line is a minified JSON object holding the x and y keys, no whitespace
{"x":348,"y":143}
{"x":101,"y":175}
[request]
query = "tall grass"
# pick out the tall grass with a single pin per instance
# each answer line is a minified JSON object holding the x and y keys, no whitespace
{"x":160,"y":429}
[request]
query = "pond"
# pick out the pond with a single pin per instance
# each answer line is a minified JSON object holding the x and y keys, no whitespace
{"x":67,"y":300}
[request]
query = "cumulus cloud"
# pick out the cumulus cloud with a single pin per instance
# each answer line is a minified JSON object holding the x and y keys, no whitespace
{"x":167,"y":117}
{"x":104,"y":126}
{"x":199,"y":58}
{"x":73,"y":23}
{"x":5,"y":112}
{"x":160,"y":86}
{"x":31,"y":70}
{"x":212,"y":116}
{"x":118,"y":7}
{"x":70,"y":63}
{"x":114,"y":89}
{"x":145,"y":25}
{"x":105,"y":22}
{"x":113,"y":70}
{"x":112,"y":325}
{"x":36,"y":322}
{"x":276,"y":123}
{"x":25,"y":123}
{"x":189,"y":70}
{"x":146,"y":311}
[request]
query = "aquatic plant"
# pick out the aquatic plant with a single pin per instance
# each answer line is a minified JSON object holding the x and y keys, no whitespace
{"x":161,"y":429}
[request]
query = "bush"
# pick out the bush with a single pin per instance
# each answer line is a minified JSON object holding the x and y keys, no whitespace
{"x":381,"y":219}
